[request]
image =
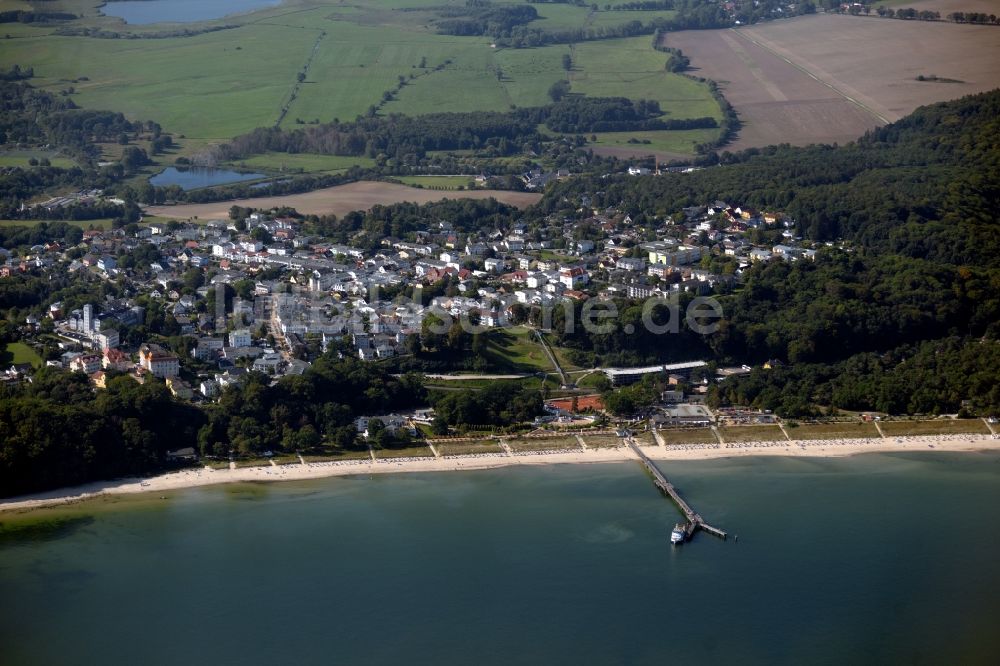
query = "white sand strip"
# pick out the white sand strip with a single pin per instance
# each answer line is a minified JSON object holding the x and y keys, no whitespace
{"x":191,"y":478}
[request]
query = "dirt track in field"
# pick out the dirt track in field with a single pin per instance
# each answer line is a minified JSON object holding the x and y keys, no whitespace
{"x":830,"y":78}
{"x":340,"y":200}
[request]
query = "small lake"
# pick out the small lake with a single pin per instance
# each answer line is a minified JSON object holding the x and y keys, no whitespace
{"x":195,"y":177}
{"x":142,"y":12}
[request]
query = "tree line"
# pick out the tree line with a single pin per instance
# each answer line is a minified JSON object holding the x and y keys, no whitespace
{"x":124,"y":430}
{"x":398,"y":135}
{"x":946,"y":376}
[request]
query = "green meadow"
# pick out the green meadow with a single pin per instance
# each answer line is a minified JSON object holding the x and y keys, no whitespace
{"x":212,"y":86}
{"x":18,"y":352}
{"x":303,"y":162}
{"x":102,"y":223}
{"x":22,"y":158}
{"x":437,"y":182}
{"x":678,"y":141}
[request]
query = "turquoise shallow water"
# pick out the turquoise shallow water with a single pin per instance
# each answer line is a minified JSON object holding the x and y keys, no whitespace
{"x":871,"y":559}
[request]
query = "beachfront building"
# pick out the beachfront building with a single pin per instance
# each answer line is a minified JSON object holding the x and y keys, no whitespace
{"x":623,"y":376}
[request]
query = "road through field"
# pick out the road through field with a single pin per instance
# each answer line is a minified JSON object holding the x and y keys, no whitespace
{"x":340,"y":200}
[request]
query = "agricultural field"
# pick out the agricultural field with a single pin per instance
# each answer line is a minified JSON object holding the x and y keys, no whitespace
{"x":631,"y":68}
{"x":302,"y":163}
{"x":673,"y":145}
{"x":437,"y":182}
{"x":849,"y":430}
{"x":211,"y":86}
{"x":935,"y":427}
{"x":776,"y":101}
{"x":338,"y":200}
{"x":22,"y":158}
{"x":751,"y":433}
{"x":101,"y":223}
{"x":944,"y":6}
{"x":829,"y":78}
{"x":619,"y":17}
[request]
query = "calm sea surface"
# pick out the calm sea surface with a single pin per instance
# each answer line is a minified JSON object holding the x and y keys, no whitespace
{"x":872,"y":559}
{"x":141,"y":12}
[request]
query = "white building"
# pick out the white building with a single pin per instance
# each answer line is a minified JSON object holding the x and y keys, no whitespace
{"x":573,"y":277}
{"x":240,"y":338}
{"x":158,"y":361}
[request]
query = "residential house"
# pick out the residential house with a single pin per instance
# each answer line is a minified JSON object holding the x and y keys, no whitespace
{"x":179,"y":388}
{"x":240,"y":338}
{"x":207,"y":349}
{"x":86,"y":363}
{"x":158,"y":361}
{"x":115,"y":359}
{"x":573,"y":277}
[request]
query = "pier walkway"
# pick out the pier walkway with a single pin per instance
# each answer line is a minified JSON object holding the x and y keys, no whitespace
{"x":694,"y":520}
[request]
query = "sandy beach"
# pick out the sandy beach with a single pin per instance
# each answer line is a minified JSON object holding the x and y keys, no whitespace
{"x":195,"y":477}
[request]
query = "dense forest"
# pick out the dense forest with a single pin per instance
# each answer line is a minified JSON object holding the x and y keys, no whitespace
{"x":947,"y":376}
{"x":480,"y":17}
{"x":123,"y":430}
{"x":128,"y":428}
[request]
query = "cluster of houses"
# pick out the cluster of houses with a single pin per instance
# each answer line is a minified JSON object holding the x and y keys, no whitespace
{"x":307,"y":292}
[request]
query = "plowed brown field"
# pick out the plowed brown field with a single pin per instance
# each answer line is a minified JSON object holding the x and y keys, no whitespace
{"x":830,"y":78}
{"x":340,"y":200}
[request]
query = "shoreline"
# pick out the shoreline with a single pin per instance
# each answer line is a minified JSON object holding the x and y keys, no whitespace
{"x":194,"y":478}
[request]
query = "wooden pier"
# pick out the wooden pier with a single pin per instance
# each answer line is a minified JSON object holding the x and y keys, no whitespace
{"x":694,"y":521}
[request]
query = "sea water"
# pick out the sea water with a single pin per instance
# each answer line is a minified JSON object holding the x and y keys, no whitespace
{"x":874,"y":559}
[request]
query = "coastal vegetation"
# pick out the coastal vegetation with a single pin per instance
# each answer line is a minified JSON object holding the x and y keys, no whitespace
{"x":126,"y":430}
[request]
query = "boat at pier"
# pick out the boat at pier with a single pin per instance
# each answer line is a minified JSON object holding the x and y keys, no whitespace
{"x":678,"y":534}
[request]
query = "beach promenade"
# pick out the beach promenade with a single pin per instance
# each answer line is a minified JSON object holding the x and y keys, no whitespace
{"x":195,"y":477}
